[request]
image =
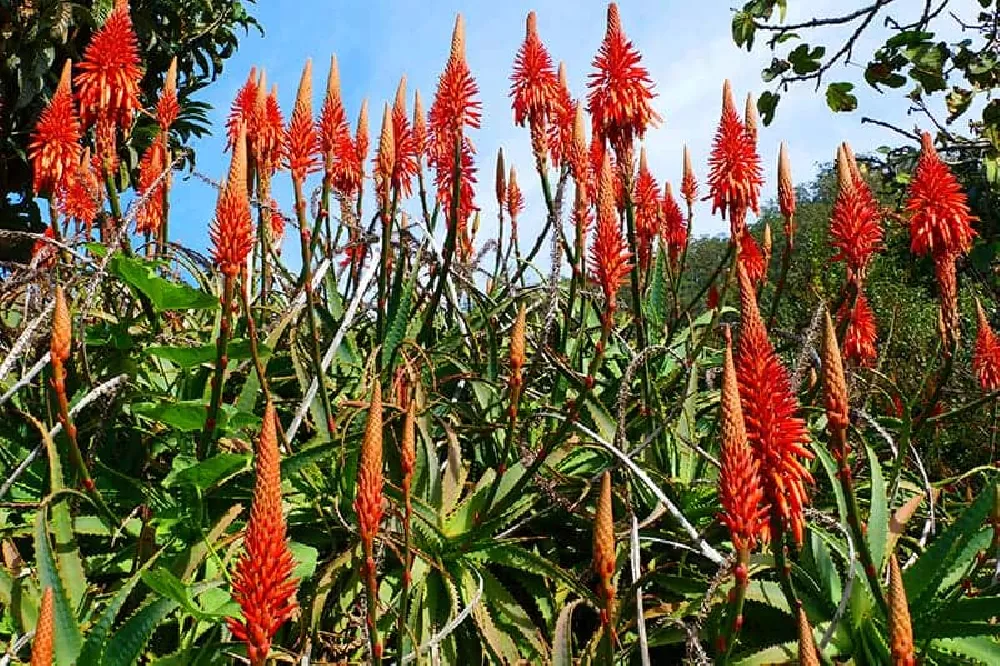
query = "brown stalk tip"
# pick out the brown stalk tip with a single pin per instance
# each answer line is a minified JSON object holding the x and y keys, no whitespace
{"x":400,"y":102}
{"x":563,"y":78}
{"x":580,"y":127}
{"x":333,"y":79}
{"x":728,"y":103}
{"x":604,"y":539}
{"x":643,"y":162}
{"x":845,"y":175}
{"x":66,"y":78}
{"x":62,"y":335}
{"x":614,"y":18}
{"x":170,"y":82}
{"x":458,"y":39}
{"x":386,"y":144}
{"x":501,"y":179}
{"x":900,"y":630}
{"x":43,"y":643}
{"x":531,"y":25}
{"x":517,"y":349}
{"x":750,"y":116}
{"x":807,"y":643}
{"x":304,"y":97}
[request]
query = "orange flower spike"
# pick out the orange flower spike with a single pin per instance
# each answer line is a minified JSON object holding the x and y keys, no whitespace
{"x":861,"y":336}
{"x":579,"y":151}
{"x":786,"y":188}
{"x":262,"y":581}
{"x":609,"y":252}
{"x":231,"y":231}
{"x":740,"y":490}
{"x":855,"y":221}
{"x":419,"y":126}
{"x":368,"y":502}
{"x":54,"y":149}
{"x":736,"y":177}
{"x":947,"y":280}
{"x":43,"y":644}
{"x":751,"y":257}
{"x":604,"y":549}
{"x":405,"y":166}
{"x":534,"y":89}
{"x":277,"y":222}
{"x":808,"y":655}
{"x":835,"y":391}
{"x":385,"y":159}
{"x":108,"y":77}
{"x":940,"y":219}
{"x":149,"y":216}
{"x":689,"y":186}
{"x":750,"y":119}
{"x":674,"y":230}
{"x":515,"y":199}
{"x":563,"y":119}
{"x":302,"y":152}
{"x":167,"y":107}
{"x":81,"y":198}
{"x":361,"y":141}
{"x":336,"y":143}
{"x":621,"y":90}
{"x":62,"y":328}
{"x":647,"y":210}
{"x":517,"y":349}
{"x":986,"y":357}
{"x":243,"y":108}
{"x":408,"y":453}
{"x":900,"y":630}
{"x":501,"y":179}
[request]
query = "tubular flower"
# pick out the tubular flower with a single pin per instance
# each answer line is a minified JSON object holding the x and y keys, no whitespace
{"x":385,"y":160}
{"x":268,"y":141}
{"x":740,"y":490}
{"x":231,"y":231}
{"x":940,"y":222}
{"x":778,"y":437}
{"x":609,"y":253}
{"x":562,"y":121}
{"x":674,"y":229}
{"x":786,"y":188}
{"x":647,"y":210}
{"x":336,"y":142}
{"x":54,"y":150}
{"x":262,"y":582}
{"x":277,"y":222}
{"x":807,"y":643}
{"x":243,"y":109}
{"x":419,"y":126}
{"x":167,"y":107}
{"x":735,"y":178}
{"x":859,"y":341}
{"x":534,"y":89}
{"x":302,"y":151}
{"x":751,"y":257}
{"x":109,"y":74}
{"x":835,"y":391}
{"x":106,"y":144}
{"x":514,"y":199}
{"x":855,"y":222}
{"x":604,"y":549}
{"x":405,"y":166}
{"x":750,"y":119}
{"x":368,"y":501}
{"x":151,"y":187}
{"x":900,"y":630}
{"x":578,"y":154}
{"x":621,"y":90}
{"x":689,"y":186}
{"x":43,"y":644}
{"x":81,"y":197}
{"x":43,"y":254}
{"x":986,"y":357}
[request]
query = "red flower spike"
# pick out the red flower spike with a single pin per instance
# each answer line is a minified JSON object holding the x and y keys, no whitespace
{"x":167,"y":107}
{"x":562,"y":120}
{"x":243,"y":109}
{"x":609,"y":252}
{"x":262,"y":581}
{"x":419,"y":126}
{"x":862,"y":333}
{"x":336,"y":142}
{"x":986,"y":357}
{"x":647,"y":211}
{"x":231,"y":232}
{"x":740,"y":490}
{"x":385,"y":159}
{"x":302,"y":152}
{"x":108,"y":77}
{"x":368,"y":500}
{"x":621,"y":90}
{"x":534,"y":89}
{"x":106,"y":145}
{"x":81,"y":198}
{"x":578,"y":154}
{"x":405,"y":167}
{"x":855,"y":222}
{"x":43,"y":644}
{"x":736,"y":177}
{"x":940,"y":222}
{"x":786,"y":188}
{"x":751,"y":257}
{"x":674,"y":229}
{"x":149,"y":216}
{"x":277,"y":222}
{"x":273,"y":139}
{"x":778,"y":437}
{"x":54,"y":149}
{"x":515,"y":200}
{"x":361,"y":144}
{"x":689,"y":186}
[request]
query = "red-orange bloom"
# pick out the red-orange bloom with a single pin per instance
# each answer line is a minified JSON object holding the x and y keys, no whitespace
{"x":779,"y":438}
{"x":244,"y":109}
{"x":751,"y":258}
{"x":689,"y":186}
{"x":986,"y":357}
{"x":167,"y":107}
{"x":106,"y":145}
{"x":336,"y":142}
{"x":109,"y":74}
{"x":368,"y":500}
{"x":621,"y":90}
{"x":862,"y":332}
{"x":940,"y":221}
{"x":405,"y":166}
{"x":736,"y":177}
{"x":302,"y":151}
{"x":268,"y":142}
{"x":740,"y":490}
{"x":534,"y":89}
{"x":562,"y":120}
{"x":54,"y":149}
{"x":647,"y":211}
{"x":385,"y":158}
{"x":515,"y":199}
{"x":262,"y":582}
{"x":151,"y":187}
{"x":786,"y":188}
{"x":674,"y":230}
{"x":231,"y":232}
{"x":277,"y":222}
{"x":855,"y":226}
{"x":609,"y":253}
{"x":43,"y":253}
{"x":419,"y":126}
{"x":81,"y":198}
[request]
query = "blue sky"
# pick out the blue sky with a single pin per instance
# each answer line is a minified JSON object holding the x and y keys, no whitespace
{"x":686,"y":47}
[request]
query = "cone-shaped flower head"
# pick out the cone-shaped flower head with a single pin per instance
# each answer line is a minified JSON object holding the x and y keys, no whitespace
{"x":54,"y":149}
{"x":501,"y":179}
{"x":562,"y":120}
{"x":609,"y":253}
{"x":947,"y":279}
{"x":862,"y":332}
{"x":621,"y":90}
{"x":940,"y":220}
{"x":340,"y":156}
{"x":604,"y":545}
{"x":579,"y":153}
{"x":267,"y":140}
{"x":515,"y":199}
{"x":834,"y":390}
{"x":751,"y":258}
{"x":647,"y":210}
{"x":62,"y":328}
{"x":900,"y":630}
{"x":361,"y":137}
{"x":277,"y":222}
{"x":807,"y":643}
{"x":151,"y":186}
{"x":986,"y":357}
{"x":107,"y":82}
{"x":243,"y":109}
{"x":408,"y":450}
{"x":777,"y":435}
{"x":750,"y":119}
{"x":534,"y":89}
{"x":262,"y":581}
{"x":405,"y":165}
{"x":786,"y":188}
{"x":517,"y":349}
{"x":736,"y":177}
{"x":303,"y":141}
{"x":43,"y":644}
{"x":674,"y":230}
{"x":419,"y":125}
{"x":855,"y":222}
{"x":740,"y":491}
{"x":368,"y":501}
{"x":167,"y":107}
{"x":385,"y":160}
{"x":81,"y":198}
{"x":689,"y":185}
{"x":231,"y":232}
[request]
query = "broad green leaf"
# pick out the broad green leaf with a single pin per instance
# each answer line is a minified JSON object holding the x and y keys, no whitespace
{"x":562,"y":639}
{"x":401,"y":317}
{"x":305,"y":558}
{"x":68,"y":640}
{"x":840,"y":98}
{"x":162,"y":293}
{"x":980,"y":650}
{"x":210,"y":472}
{"x":878,"y":519}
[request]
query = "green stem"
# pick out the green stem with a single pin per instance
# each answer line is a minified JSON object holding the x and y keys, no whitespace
{"x":404,"y":596}
{"x":221,"y":360}
{"x":786,"y":262}
{"x":860,"y":539}
{"x":383,"y":273}
{"x":735,"y":620}
{"x":254,"y":350}
{"x":781,"y":562}
{"x":427,"y":327}
{"x":640,"y":325}
{"x":371,"y":586}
